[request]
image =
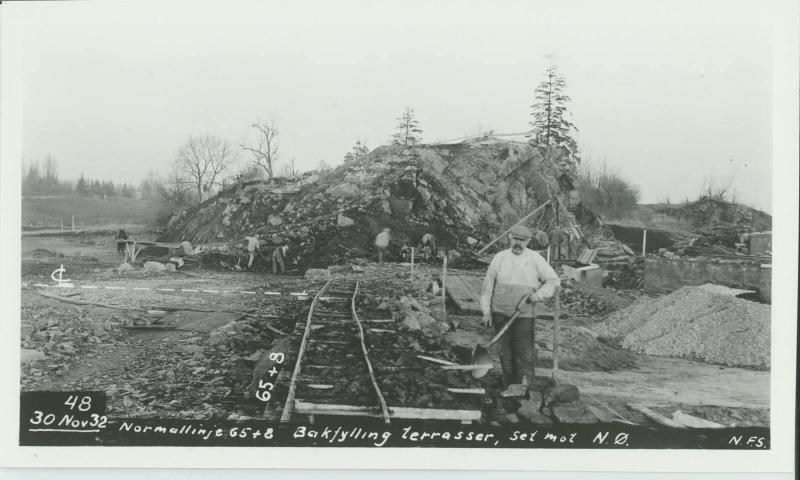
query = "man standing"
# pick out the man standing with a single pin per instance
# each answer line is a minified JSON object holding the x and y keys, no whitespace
{"x":277,"y":258}
{"x":427,"y":246}
{"x":556,"y":239}
{"x":252,"y":246}
{"x":382,"y":242}
{"x":514,"y":273}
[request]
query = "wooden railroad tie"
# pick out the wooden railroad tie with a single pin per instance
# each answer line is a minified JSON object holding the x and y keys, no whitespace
{"x":410,"y":413}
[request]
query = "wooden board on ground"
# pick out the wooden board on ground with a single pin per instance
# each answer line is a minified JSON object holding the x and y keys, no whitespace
{"x":465,"y":291}
{"x":307,"y":408}
{"x":199,"y":321}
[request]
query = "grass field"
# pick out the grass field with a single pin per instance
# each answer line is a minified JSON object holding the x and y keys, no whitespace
{"x":50,"y":212}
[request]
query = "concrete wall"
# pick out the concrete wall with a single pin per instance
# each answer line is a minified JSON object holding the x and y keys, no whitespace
{"x":760,"y":243}
{"x":662,"y":275}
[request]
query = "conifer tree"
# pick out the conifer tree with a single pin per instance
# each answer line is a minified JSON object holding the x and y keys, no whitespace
{"x":407,"y":133}
{"x":549,"y":115}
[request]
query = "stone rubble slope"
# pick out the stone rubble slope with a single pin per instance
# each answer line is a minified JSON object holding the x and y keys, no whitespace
{"x":453,"y":191}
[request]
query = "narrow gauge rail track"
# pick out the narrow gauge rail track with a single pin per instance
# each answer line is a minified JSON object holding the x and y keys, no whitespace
{"x":332,"y":360}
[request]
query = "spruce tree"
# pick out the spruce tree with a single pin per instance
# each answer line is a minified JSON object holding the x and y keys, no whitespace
{"x":407,"y":133}
{"x":551,"y":127}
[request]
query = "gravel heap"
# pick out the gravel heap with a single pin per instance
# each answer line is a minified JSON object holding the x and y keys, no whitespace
{"x":694,"y":324}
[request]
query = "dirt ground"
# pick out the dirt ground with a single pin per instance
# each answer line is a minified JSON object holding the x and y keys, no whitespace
{"x":202,"y":368}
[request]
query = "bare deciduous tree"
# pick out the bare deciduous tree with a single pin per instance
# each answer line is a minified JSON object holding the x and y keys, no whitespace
{"x":265,"y":148}
{"x":203,"y":159}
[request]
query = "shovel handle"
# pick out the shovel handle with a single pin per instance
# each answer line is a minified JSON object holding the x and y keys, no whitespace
{"x":510,"y":320}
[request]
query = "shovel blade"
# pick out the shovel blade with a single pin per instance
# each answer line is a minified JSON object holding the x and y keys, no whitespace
{"x":480,"y":356}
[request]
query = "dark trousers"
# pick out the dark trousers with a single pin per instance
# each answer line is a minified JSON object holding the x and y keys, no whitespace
{"x":277,"y":261}
{"x":517,"y":349}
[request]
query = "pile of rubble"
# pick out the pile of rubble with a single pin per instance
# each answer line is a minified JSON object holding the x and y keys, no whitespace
{"x":52,"y":336}
{"x":695,"y":324}
{"x":464,"y":194}
{"x":706,"y":213}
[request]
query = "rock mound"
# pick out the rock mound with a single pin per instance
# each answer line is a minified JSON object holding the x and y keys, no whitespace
{"x":708,"y":212}
{"x":453,"y":191}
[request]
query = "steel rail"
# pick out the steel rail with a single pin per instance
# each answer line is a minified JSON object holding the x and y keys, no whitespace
{"x":384,"y":407}
{"x":289,"y":405}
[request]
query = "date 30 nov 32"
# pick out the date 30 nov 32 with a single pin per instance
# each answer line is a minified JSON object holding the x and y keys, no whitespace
{"x":74,"y":414}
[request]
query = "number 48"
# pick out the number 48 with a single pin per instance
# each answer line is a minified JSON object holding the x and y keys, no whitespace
{"x":84,"y":405}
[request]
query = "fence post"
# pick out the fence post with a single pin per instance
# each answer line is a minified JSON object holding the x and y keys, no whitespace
{"x":412,"y":263}
{"x":644,"y":243}
{"x":73,"y":223}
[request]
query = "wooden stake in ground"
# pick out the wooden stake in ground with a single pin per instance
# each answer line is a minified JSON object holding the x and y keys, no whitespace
{"x":444,"y":293}
{"x":412,"y":263}
{"x":556,"y":332}
{"x":644,"y":242}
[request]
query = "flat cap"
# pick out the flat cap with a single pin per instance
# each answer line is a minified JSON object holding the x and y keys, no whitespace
{"x":521,"y":232}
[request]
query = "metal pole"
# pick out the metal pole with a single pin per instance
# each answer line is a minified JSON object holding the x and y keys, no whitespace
{"x":644,"y":242}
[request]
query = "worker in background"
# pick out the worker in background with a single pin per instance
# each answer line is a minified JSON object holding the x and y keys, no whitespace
{"x":427,"y":246}
{"x":382,"y":243}
{"x":278,"y":253}
{"x":252,"y":247}
{"x":556,"y":237}
{"x":121,"y":241}
{"x":541,"y":239}
{"x":512,"y":274}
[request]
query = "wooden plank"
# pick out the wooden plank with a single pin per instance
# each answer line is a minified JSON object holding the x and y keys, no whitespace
{"x":660,"y":419}
{"x":694,"y":422}
{"x":436,"y":360}
{"x":587,"y":255}
{"x":479,"y":366}
{"x":308,"y":408}
{"x":469,"y":391}
{"x":539,"y":208}
{"x":465,"y":291}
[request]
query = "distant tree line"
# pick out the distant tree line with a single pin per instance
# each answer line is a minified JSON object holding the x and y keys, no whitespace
{"x":43,"y":180}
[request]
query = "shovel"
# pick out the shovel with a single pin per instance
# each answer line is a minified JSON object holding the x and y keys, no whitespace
{"x":480,"y":354}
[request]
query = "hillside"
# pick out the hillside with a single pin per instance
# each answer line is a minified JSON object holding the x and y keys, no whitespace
{"x":464,"y":194}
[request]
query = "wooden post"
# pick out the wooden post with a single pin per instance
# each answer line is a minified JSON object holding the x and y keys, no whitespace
{"x":73,"y":223}
{"x":556,"y":332}
{"x":412,"y":263}
{"x":444,"y":287}
{"x":644,"y":243}
{"x":548,"y":254}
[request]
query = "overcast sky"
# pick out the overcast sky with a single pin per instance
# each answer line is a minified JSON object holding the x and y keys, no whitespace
{"x":671,"y":97}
